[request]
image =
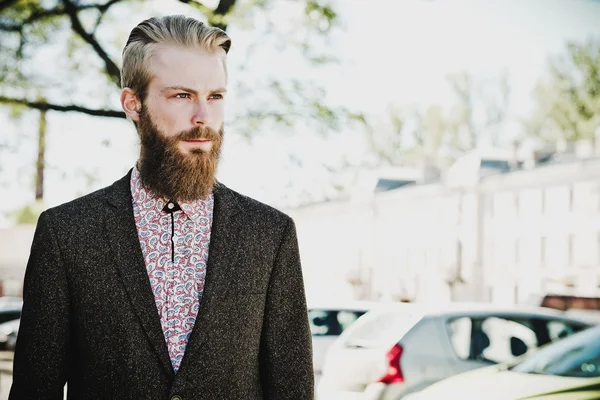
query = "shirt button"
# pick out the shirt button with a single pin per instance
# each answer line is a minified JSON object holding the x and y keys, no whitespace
{"x":170,"y":206}
{"x":176,"y":397}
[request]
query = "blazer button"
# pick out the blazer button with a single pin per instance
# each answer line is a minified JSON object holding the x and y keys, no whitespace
{"x":176,"y":397}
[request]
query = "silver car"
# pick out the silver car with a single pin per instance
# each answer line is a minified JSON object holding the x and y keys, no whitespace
{"x":395,"y":350}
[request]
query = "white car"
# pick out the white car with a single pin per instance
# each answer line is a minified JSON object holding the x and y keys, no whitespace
{"x":328,"y":321}
{"x":393,"y":351}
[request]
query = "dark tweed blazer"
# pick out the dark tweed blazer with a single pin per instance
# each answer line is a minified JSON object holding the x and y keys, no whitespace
{"x":89,"y":316}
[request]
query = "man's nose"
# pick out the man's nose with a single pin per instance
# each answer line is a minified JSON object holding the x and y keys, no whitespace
{"x":201,"y":115}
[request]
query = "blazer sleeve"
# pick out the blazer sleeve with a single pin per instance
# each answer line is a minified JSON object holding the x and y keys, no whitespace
{"x":286,"y":344}
{"x":41,"y":353}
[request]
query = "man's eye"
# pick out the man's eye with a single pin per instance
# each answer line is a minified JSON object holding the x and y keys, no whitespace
{"x":216,"y":96}
{"x":182,"y":95}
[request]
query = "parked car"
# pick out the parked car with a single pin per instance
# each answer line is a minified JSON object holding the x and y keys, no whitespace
{"x":582,"y":307}
{"x":565,"y":370}
{"x":8,"y":334}
{"x":392,"y":351}
{"x":10,"y":310}
{"x":328,"y":321}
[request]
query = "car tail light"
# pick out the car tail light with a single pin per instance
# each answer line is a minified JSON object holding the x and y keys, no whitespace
{"x":394,"y":372}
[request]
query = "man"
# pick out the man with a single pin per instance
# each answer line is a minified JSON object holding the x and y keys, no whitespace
{"x":166,"y":284}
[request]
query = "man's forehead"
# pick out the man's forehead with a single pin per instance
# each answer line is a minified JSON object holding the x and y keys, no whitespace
{"x":172,"y":55}
{"x":188,"y":68}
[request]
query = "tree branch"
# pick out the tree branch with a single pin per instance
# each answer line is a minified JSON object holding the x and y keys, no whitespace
{"x":219,"y":19}
{"x":6,"y":4}
{"x":216,"y":17}
{"x":199,"y":6}
{"x":103,"y":9}
{"x":38,"y":14}
{"x":44,"y":106}
{"x":224,"y":7}
{"x":10,"y":28}
{"x":111,"y":68}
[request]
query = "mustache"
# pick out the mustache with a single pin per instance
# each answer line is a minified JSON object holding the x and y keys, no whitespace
{"x":198,"y":132}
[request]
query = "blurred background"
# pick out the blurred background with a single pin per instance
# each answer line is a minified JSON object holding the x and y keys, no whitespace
{"x":430,"y":151}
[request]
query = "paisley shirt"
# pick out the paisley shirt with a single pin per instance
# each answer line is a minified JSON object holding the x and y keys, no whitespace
{"x":175,"y":249}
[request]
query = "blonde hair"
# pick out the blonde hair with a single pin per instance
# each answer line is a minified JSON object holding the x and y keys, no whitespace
{"x":177,"y":30}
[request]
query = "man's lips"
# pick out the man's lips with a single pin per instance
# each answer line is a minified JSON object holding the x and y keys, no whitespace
{"x":202,"y":144}
{"x":198,"y":140}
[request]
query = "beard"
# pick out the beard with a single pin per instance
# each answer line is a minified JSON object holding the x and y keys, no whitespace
{"x":168,"y":172}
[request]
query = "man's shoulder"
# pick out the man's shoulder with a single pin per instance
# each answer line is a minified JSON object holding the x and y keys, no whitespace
{"x":88,"y":204}
{"x":251,"y":206}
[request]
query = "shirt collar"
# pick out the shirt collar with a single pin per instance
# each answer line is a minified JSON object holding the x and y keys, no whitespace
{"x":147,"y":200}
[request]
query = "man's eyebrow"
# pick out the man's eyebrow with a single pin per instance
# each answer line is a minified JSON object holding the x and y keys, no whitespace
{"x":220,"y":90}
{"x":181,"y":88}
{"x":192,"y":91}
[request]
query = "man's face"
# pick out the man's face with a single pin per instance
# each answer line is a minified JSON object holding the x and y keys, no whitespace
{"x":187,"y":92}
{"x":181,"y":123}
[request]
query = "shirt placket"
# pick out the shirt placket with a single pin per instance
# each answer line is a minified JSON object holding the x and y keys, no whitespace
{"x":171,"y":273}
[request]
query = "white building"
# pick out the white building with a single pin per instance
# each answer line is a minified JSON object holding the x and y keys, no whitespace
{"x":491,"y":235}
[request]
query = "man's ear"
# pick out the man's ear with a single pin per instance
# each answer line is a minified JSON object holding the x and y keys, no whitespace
{"x":131,"y":104}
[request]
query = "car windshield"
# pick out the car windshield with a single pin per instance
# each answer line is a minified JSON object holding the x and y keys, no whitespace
{"x":330,"y":322}
{"x":575,"y":356}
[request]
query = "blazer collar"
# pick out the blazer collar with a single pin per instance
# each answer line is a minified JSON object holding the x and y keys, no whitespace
{"x":119,"y":196}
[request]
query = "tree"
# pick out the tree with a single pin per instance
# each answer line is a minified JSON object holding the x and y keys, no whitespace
{"x":439,"y":134}
{"x":567,"y":101}
{"x":480,"y":111}
{"x":94,"y":39}
{"x":61,"y":56}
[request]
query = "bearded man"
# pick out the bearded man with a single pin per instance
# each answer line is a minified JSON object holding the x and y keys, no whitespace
{"x":166,"y":284}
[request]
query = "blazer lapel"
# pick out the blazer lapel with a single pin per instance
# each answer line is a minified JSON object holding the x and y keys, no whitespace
{"x":225,"y":231}
{"x":125,"y":245}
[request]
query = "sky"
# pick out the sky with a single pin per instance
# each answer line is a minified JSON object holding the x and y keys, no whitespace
{"x":394,"y":53}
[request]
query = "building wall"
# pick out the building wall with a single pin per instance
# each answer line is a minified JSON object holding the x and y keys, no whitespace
{"x":503,"y":239}
{"x":542,"y":231}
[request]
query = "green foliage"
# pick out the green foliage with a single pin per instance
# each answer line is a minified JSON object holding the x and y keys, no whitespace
{"x":568,"y":100}
{"x":85,"y":35}
{"x":441,"y":134}
{"x":320,"y":16}
{"x":67,"y":52}
{"x":16,"y":111}
{"x":28,"y":214}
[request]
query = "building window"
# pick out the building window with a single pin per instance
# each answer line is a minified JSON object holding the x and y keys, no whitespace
{"x":544,"y":201}
{"x":556,"y":255}
{"x":571,"y":202}
{"x":490,"y":205}
{"x":585,"y":249}
{"x":584,"y":198}
{"x":530,"y":203}
{"x":598,"y":247}
{"x":571,"y":252}
{"x":505,"y":204}
{"x":557,"y":200}
{"x":543,"y":242}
